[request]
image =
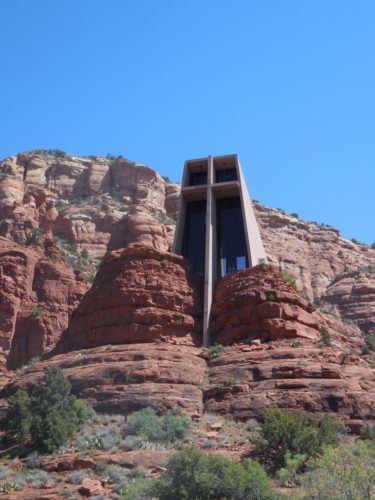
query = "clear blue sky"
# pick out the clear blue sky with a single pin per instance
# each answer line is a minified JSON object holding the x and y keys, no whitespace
{"x":287,"y":85}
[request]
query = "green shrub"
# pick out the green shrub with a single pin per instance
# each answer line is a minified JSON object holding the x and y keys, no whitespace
{"x":295,"y":343}
{"x":36,"y":311}
{"x":56,"y":152}
{"x":147,"y":424}
{"x":295,"y":433}
{"x":192,"y":474}
{"x":35,"y":237}
{"x":365,"y":349}
{"x":347,"y":472}
{"x":9,"y":486}
{"x":294,"y":214}
{"x":230,"y":381}
{"x":272,"y":297}
{"x":85,"y":254}
{"x":326,"y":336}
{"x":138,"y":489}
{"x":290,"y":475}
{"x":370,"y":342}
{"x":46,"y":417}
{"x":289,"y":278}
{"x":368,"y":432}
{"x":216,"y":350}
{"x":180,"y":320}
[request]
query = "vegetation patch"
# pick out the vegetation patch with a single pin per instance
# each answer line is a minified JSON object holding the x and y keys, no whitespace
{"x":45,"y":418}
{"x":284,"y":435}
{"x":289,"y":278}
{"x":148,"y":425}
{"x":216,"y":350}
{"x":326,"y":336}
{"x":192,"y":474}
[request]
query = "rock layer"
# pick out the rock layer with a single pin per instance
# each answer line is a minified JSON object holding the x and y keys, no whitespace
{"x":139,"y":295}
{"x":257,"y":303}
{"x":126,"y":378}
{"x":353,"y":294}
{"x":246,"y":379}
{"x":38,"y":291}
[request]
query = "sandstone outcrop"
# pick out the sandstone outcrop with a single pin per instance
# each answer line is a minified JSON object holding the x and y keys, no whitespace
{"x":38,"y":291}
{"x":134,"y":339}
{"x":353,"y":294}
{"x":102,"y":203}
{"x":125,"y":378}
{"x":314,"y":253}
{"x":246,"y":379}
{"x":257,"y":303}
{"x":139,"y":295}
{"x":149,"y":304}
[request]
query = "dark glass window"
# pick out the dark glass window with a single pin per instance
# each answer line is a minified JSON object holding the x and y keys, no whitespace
{"x":197,"y":178}
{"x":226,"y":175}
{"x":194,"y":242}
{"x":231,"y":241}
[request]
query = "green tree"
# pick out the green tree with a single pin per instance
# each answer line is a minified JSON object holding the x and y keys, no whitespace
{"x":48,"y":416}
{"x":346,"y":472}
{"x":19,"y":417}
{"x":295,"y":433}
{"x":192,"y":475}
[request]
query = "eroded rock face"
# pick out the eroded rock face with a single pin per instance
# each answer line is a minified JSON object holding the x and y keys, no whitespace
{"x":315,"y":254}
{"x":103,"y":204}
{"x":139,"y":295}
{"x":126,"y":378}
{"x":354,"y":295}
{"x":38,"y":291}
{"x":257,"y":303}
{"x":246,"y":379}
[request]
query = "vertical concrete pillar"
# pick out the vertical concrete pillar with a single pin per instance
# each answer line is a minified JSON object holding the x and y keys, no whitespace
{"x":208,"y":275}
{"x":181,"y":214}
{"x":255,"y":249}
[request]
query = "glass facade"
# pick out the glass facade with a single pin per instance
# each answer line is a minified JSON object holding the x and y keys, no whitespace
{"x":194,"y":241}
{"x":197,"y":178}
{"x":231,"y":241}
{"x":226,"y":175}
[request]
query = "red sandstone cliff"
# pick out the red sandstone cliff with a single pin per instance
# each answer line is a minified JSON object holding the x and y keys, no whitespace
{"x":38,"y":292}
{"x":101,"y":204}
{"x":129,"y":345}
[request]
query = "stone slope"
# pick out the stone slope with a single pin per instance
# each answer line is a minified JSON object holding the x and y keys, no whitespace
{"x":246,"y":379}
{"x":126,"y":378}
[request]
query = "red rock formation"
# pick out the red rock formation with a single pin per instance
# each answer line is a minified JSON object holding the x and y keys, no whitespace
{"x":257,"y":303}
{"x":106,"y":203}
{"x":315,"y":254}
{"x":125,"y":378}
{"x":139,"y":295}
{"x":246,"y":379}
{"x":38,"y":291}
{"x":353,"y":294}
